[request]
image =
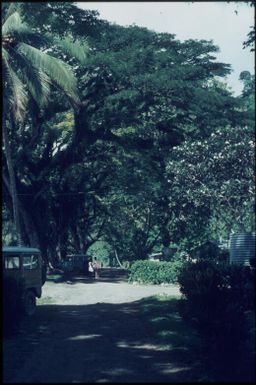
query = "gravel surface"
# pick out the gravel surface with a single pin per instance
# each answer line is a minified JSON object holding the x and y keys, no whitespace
{"x":92,"y":292}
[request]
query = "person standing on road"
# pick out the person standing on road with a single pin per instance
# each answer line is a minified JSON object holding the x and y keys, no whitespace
{"x":91,"y":268}
{"x":97,"y":266}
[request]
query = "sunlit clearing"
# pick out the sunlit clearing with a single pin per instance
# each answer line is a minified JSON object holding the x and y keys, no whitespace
{"x":123,"y":344}
{"x":84,"y":337}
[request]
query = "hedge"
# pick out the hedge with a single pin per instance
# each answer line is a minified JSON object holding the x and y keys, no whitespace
{"x":153,"y":272}
{"x":217,"y":299}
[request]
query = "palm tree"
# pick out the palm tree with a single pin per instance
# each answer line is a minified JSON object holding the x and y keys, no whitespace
{"x":29,"y":72}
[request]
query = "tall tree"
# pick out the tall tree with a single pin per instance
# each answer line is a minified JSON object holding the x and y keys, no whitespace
{"x":28,"y":71}
{"x":211,"y":185}
{"x":142,"y":93}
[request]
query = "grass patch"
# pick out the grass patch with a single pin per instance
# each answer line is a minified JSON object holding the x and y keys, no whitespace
{"x":54,"y":277}
{"x":44,"y":301}
{"x":165,"y":322}
{"x":168,"y":331}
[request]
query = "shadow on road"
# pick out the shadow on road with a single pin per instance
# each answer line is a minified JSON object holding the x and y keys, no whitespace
{"x":106,"y":275}
{"x":143,"y":341}
{"x":88,"y":280}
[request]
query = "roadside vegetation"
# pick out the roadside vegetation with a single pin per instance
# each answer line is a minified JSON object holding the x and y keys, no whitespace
{"x":168,"y":330}
{"x":154,"y":272}
{"x":219,"y":303}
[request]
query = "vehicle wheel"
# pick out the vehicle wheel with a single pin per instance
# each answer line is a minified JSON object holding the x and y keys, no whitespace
{"x":29,"y":303}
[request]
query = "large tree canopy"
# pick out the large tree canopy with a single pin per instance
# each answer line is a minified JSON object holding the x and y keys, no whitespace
{"x":29,"y":72}
{"x":102,"y":170}
{"x":213,"y":180}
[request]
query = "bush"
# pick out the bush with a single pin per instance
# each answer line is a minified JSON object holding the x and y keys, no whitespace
{"x":126,"y":264}
{"x":155,"y":272}
{"x":210,"y":250}
{"x":12,"y":305}
{"x":217,"y":297}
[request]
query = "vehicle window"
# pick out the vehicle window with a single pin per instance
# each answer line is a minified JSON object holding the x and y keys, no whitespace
{"x":30,"y":262}
{"x":12,"y":262}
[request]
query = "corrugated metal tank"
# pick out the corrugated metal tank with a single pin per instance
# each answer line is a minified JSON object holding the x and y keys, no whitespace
{"x":242,"y":248}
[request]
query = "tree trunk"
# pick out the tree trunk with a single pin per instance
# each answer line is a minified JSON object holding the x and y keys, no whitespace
{"x":13,"y":188}
{"x":75,"y":236}
{"x":118,"y":261}
{"x":29,"y":230}
{"x":30,"y":227}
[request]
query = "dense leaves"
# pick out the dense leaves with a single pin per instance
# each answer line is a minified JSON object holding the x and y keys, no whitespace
{"x":214,"y":178}
{"x":219,"y":300}
{"x":136,"y":163}
{"x":151,"y":272}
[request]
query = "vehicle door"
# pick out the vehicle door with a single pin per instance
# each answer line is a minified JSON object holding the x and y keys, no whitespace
{"x":32,"y":271}
{"x":12,"y":265}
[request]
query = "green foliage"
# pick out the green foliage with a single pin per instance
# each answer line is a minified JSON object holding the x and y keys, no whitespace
{"x":59,"y":72}
{"x":170,"y":331}
{"x":58,"y":17}
{"x":209,"y":250}
{"x":217,"y":297}
{"x":157,"y":84}
{"x":27,"y":66}
{"x":248,"y":95}
{"x":150,"y":272}
{"x":30,"y":73}
{"x":101,"y":251}
{"x":211,"y":183}
{"x":126,"y":264}
{"x":250,"y":42}
{"x":104,"y":163}
{"x":8,"y":228}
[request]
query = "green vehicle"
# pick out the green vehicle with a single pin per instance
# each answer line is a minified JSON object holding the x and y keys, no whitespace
{"x":25,"y":264}
{"x":77,"y":263}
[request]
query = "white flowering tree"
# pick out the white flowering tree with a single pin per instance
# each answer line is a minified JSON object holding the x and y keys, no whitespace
{"x":212,"y":187}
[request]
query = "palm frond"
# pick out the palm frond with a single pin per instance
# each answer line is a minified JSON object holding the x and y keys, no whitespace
{"x":76,"y":48}
{"x":16,"y":92}
{"x":59,"y":72}
{"x":38,"y":84}
{"x":18,"y":30}
{"x":13,"y":23}
{"x":37,"y":81}
{"x":8,"y":9}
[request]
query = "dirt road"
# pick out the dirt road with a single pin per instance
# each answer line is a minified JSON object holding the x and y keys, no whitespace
{"x":92,"y":332}
{"x":102,"y":291}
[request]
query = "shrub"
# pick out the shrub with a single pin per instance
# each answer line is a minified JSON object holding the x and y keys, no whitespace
{"x":210,"y":250}
{"x":216,"y":299}
{"x":126,"y":264}
{"x":152,"y":272}
{"x":12,"y":305}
